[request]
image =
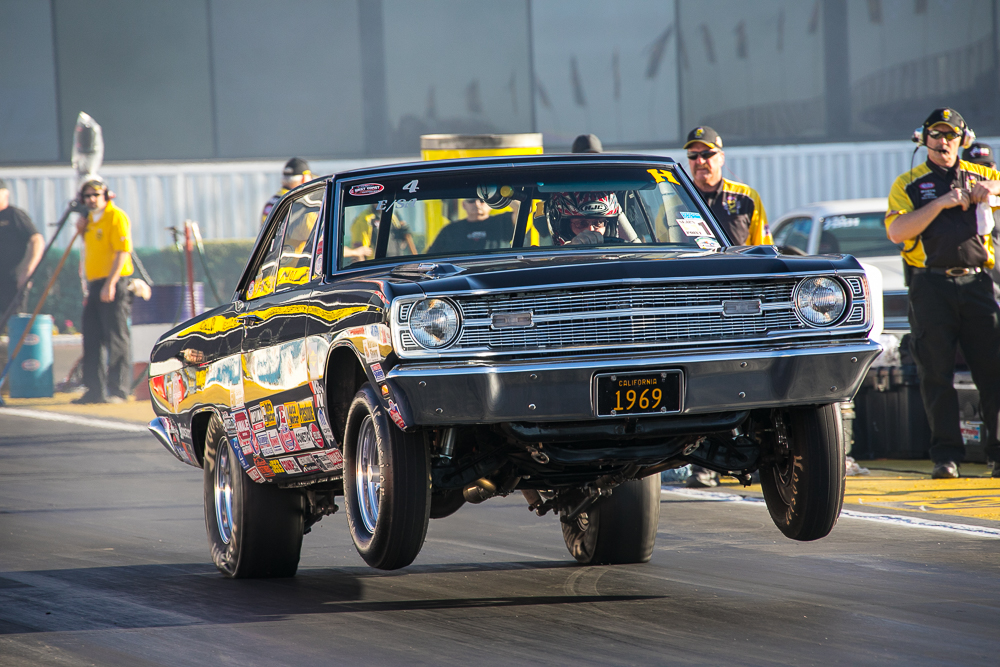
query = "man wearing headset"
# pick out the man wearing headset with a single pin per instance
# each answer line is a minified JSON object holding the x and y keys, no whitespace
{"x":932,"y":212}
{"x":107,"y":306}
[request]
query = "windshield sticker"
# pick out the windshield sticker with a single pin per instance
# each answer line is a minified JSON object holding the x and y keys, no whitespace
{"x":706,"y":243}
{"x":660,"y":175}
{"x":366,"y":189}
{"x":694,"y":227}
{"x":840,"y":222}
{"x":412,"y":186}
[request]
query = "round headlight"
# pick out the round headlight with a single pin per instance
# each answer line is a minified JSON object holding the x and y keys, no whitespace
{"x":820,"y":301}
{"x":434,"y":322}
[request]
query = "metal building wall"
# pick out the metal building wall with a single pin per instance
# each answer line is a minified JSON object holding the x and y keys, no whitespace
{"x":226,"y":198}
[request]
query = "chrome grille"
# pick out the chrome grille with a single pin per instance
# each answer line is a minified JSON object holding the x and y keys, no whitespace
{"x":857,"y":291}
{"x":628,"y":330}
{"x":565,"y":302}
{"x":599,"y":317}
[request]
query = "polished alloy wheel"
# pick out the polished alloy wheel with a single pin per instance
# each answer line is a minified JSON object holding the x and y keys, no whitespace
{"x":224,"y":495}
{"x":367,"y":475}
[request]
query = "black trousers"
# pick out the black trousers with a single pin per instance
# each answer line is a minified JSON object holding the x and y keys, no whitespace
{"x":105,"y":329}
{"x":945,"y":312}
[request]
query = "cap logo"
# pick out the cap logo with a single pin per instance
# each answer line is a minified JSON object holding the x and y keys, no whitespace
{"x":946,"y":114}
{"x":699,"y":133}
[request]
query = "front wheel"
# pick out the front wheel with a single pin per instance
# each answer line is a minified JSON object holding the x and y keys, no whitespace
{"x":618,"y":529}
{"x":803,"y":484}
{"x":254,"y":530}
{"x":387,"y":485}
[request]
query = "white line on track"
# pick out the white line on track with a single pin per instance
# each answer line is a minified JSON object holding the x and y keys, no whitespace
{"x":73,"y":419}
{"x":894,"y":519}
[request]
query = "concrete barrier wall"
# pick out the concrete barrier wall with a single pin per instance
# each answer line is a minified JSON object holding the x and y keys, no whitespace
{"x":225,"y":198}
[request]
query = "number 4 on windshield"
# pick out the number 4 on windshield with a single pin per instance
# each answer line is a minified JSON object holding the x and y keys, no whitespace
{"x":411,"y":187}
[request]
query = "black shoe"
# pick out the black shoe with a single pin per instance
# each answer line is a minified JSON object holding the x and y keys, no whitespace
{"x":996,"y":469}
{"x":945,"y":470}
{"x":87,"y":399}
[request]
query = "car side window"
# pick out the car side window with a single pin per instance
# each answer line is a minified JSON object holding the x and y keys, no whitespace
{"x":295,"y":259}
{"x":267,"y":270}
{"x":794,"y":233}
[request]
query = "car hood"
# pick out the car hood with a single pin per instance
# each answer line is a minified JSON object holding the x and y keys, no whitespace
{"x":563,"y":268}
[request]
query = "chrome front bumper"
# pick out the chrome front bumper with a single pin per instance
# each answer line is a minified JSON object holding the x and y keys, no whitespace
{"x":477,"y":392}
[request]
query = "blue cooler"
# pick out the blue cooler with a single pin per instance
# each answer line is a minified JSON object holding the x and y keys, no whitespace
{"x":30,"y":375}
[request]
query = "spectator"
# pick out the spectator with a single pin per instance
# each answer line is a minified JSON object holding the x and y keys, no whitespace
{"x":932,"y":212}
{"x":477,"y":232}
{"x":736,"y":206}
{"x":980,"y":153}
{"x":107,"y":305}
{"x":738,"y":209}
{"x":587,"y":143}
{"x":21,"y":249}
{"x":295,"y":173}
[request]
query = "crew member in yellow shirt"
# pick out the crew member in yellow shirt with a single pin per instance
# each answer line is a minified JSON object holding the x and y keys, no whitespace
{"x":107,"y":247}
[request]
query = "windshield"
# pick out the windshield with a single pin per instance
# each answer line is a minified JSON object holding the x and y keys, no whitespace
{"x":858,"y":234}
{"x":441,"y":214}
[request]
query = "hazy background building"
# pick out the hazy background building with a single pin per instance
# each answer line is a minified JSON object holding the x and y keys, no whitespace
{"x":816,"y":99}
{"x":239,"y":79}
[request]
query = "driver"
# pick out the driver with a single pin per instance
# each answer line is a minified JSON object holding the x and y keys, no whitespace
{"x":583,"y":218}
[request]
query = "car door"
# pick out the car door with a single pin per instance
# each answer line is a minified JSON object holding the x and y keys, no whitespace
{"x":278,"y":420}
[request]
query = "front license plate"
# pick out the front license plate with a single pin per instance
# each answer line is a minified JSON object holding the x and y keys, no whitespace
{"x":650,"y":393}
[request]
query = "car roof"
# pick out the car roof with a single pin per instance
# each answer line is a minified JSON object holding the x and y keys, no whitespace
{"x":519,"y":160}
{"x":823,"y":209}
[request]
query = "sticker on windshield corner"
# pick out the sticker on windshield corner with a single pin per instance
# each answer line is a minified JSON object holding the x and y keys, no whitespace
{"x":692,"y":227}
{"x":366,"y":189}
{"x":706,"y":243}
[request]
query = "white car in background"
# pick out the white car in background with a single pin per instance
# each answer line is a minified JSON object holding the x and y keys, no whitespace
{"x":853,"y":227}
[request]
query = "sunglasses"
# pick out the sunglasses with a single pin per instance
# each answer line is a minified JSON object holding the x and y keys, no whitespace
{"x":941,"y":134}
{"x":588,"y":222}
{"x":704,"y":155}
{"x":88,"y":195}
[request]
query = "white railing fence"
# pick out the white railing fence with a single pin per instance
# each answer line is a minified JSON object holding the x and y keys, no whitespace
{"x":226,"y":197}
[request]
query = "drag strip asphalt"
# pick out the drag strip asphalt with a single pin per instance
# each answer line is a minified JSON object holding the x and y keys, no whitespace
{"x":104,"y":560}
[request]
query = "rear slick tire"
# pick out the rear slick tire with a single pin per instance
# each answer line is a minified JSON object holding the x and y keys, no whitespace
{"x":618,"y":529}
{"x":387,"y":485}
{"x":254,"y":530}
{"x":804,"y":486}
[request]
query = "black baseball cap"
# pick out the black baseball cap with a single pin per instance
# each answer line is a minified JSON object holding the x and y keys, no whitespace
{"x":587,"y":143}
{"x":979,"y":153}
{"x":703,"y":134}
{"x":947,"y":116}
{"x":296,"y":167}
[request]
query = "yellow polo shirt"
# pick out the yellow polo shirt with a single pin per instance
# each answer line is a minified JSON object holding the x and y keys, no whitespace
{"x":103,"y":238}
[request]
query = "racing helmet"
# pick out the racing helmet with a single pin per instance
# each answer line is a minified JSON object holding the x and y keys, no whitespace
{"x":562,"y":206}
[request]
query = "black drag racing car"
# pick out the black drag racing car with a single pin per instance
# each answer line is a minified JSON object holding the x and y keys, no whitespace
{"x":420,"y":336}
